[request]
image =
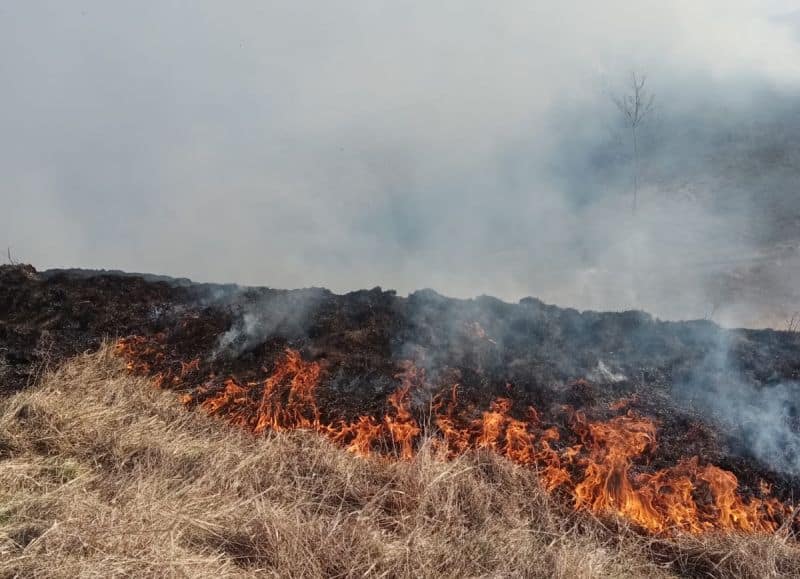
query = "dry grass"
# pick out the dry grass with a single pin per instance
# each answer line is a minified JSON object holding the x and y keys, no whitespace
{"x":101,"y":475}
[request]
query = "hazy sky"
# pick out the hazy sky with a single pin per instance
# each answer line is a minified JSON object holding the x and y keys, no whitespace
{"x":405,"y":144}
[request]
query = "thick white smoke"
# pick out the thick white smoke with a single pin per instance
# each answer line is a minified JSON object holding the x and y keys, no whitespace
{"x":464,"y":146}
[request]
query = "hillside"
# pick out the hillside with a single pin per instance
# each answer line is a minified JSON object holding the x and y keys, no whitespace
{"x":101,"y":474}
{"x":662,"y":431}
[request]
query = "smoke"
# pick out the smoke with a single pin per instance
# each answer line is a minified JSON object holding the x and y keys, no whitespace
{"x":761,"y":418}
{"x":737,"y":379}
{"x":260,"y":314}
{"x":467,"y":147}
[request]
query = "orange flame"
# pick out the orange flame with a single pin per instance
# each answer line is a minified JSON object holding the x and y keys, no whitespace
{"x":604,"y":471}
{"x":402,"y":427}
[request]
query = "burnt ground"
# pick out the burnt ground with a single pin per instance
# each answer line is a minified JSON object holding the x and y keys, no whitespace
{"x":530,"y":351}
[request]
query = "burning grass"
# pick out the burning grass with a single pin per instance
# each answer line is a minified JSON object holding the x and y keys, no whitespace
{"x":101,"y":474}
{"x":599,"y":465}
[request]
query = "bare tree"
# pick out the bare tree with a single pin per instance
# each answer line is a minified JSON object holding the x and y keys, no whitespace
{"x":793,"y":323}
{"x":635,"y":106}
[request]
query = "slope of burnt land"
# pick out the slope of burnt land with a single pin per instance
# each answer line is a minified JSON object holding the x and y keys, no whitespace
{"x":530,"y":352}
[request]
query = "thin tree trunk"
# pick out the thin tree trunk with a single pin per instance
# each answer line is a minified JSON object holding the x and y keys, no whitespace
{"x":635,"y":170}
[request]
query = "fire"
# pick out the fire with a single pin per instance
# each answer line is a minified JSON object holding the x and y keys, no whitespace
{"x":402,"y":427}
{"x":608,"y":485}
{"x":601,"y":466}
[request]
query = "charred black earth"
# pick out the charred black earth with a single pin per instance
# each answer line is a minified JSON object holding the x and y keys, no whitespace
{"x":691,"y":376}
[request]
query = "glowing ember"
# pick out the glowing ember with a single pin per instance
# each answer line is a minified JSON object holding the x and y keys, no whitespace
{"x":599,"y":471}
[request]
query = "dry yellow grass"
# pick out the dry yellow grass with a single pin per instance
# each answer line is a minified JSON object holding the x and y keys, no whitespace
{"x":102,"y":475}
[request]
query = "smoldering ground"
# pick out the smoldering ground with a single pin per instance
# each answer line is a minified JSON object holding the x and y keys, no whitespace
{"x":759,"y":415}
{"x":258,"y":316}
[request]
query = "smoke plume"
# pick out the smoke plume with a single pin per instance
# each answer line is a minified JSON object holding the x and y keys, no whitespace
{"x":470,"y":148}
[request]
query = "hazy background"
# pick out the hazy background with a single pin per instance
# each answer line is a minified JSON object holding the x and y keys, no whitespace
{"x":472,"y":147}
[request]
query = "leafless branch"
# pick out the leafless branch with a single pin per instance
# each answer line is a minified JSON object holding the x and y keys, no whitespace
{"x":636,"y":105}
{"x":793,"y":323}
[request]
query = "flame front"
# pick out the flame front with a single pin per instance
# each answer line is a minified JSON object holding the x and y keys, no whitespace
{"x":603,"y":469}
